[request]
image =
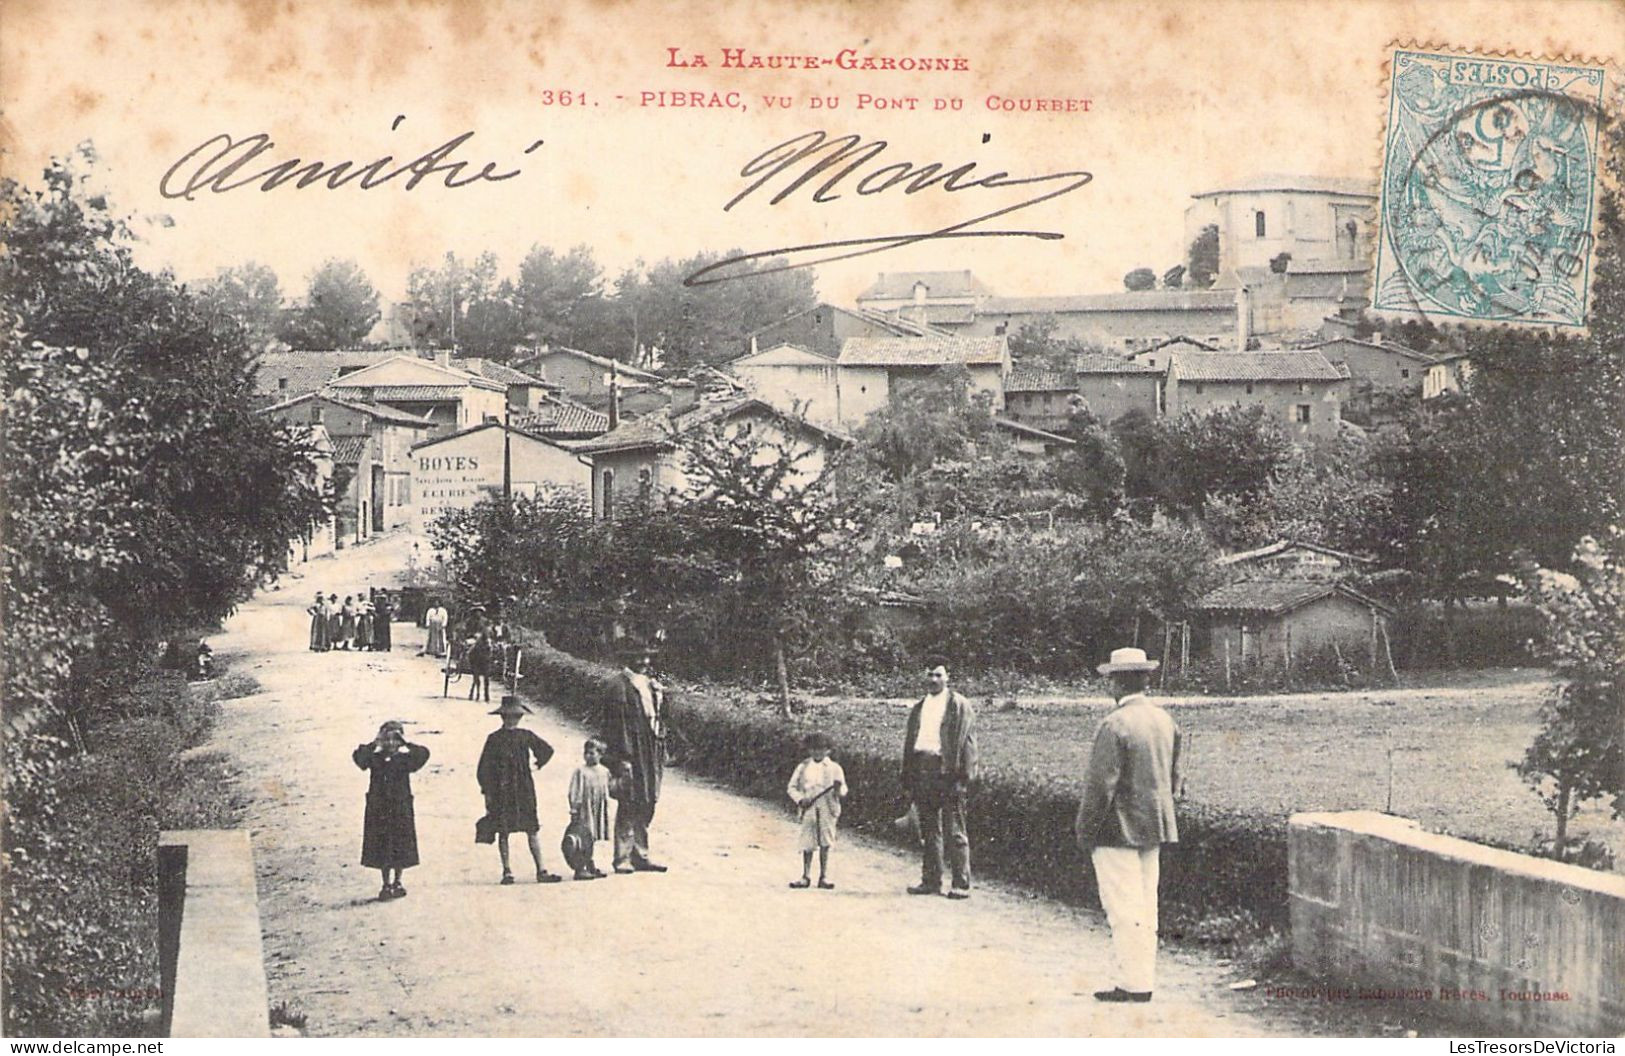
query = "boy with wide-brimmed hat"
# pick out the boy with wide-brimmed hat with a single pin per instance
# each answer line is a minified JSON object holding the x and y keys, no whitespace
{"x":510,"y":791}
{"x":1127,"y":814}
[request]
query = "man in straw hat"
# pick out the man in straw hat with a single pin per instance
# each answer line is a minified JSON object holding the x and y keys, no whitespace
{"x":634,"y":728}
{"x":1127,"y":814}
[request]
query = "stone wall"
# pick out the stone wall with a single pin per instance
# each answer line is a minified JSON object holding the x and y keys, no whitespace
{"x":209,"y":936}
{"x":1512,"y":944}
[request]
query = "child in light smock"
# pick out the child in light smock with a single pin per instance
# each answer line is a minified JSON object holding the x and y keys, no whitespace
{"x":817,"y":787}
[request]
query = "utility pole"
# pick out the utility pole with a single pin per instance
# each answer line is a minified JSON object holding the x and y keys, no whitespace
{"x":507,"y":456}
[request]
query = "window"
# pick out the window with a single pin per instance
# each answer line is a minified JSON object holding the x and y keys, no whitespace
{"x":608,"y":492}
{"x":1404,"y":372}
{"x":1258,"y":224}
{"x":1249,"y":388}
{"x":316,"y":416}
{"x":646,"y":484}
{"x":1301,"y":413}
{"x":281,"y":383}
{"x":1303,"y":388}
{"x":1198,"y":388}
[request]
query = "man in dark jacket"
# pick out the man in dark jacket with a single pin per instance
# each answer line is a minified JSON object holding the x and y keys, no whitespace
{"x":634,"y":728}
{"x":1126,"y":815}
{"x":939,"y":763}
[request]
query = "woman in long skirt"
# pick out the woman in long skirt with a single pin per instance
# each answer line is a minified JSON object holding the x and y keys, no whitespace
{"x":318,"y":625}
{"x":363,"y":622}
{"x":335,"y":622}
{"x":389,"y":839}
{"x":381,"y":615}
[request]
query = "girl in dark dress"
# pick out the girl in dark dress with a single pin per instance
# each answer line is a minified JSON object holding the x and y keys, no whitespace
{"x":509,"y":789}
{"x":381,"y":615}
{"x":389,"y":840}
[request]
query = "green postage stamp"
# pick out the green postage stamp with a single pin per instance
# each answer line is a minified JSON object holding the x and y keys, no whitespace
{"x":1489,"y":186}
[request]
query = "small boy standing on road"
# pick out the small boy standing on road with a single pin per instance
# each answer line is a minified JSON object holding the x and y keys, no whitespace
{"x":817,"y":787}
{"x":589,"y":811}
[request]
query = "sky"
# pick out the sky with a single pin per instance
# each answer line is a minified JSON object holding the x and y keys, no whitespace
{"x":1181,"y":98}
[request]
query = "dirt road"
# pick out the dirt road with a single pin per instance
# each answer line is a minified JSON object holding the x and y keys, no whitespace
{"x":718,"y":946}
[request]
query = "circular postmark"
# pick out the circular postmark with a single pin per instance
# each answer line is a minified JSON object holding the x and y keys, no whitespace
{"x":1488,"y":196}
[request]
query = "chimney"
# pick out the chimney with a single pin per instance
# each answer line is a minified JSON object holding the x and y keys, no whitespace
{"x":685,"y":396}
{"x":442,"y":356}
{"x":614,"y":383}
{"x":1244,"y":322}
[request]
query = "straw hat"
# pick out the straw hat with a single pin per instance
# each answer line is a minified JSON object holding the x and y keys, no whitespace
{"x":1127,"y":660}
{"x":511,"y":705}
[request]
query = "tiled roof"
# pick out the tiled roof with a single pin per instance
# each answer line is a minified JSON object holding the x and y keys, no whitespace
{"x":348,"y":450}
{"x":1107,"y":363}
{"x":491,"y":370}
{"x":1314,"y":184}
{"x":556,"y":415}
{"x":895,"y":285}
{"x":411,"y":393}
{"x":1180,"y":340}
{"x":660,"y":430}
{"x":1386,"y":346}
{"x":1036,"y":379}
{"x":621,"y":368}
{"x":1143,"y":301}
{"x":1010,"y":425}
{"x":920,"y":351}
{"x":1283,"y":545}
{"x":375,"y":410}
{"x":308,"y":371}
{"x":1276,"y":596}
{"x":1254,"y":366}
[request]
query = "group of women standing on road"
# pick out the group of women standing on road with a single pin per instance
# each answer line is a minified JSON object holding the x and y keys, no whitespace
{"x":360,"y":622}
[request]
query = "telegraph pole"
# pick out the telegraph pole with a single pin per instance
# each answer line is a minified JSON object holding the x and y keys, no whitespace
{"x":507,"y":456}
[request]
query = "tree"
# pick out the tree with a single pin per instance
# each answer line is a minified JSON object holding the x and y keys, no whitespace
{"x":759,"y":519}
{"x":1328,"y":493}
{"x":1034,"y":344}
{"x":1280,"y":262}
{"x":339,"y":309}
{"x":440,"y":298}
{"x":1094,"y":468}
{"x":250,"y":295}
{"x":690,"y":325}
{"x":556,"y":295}
{"x":143,"y":497}
{"x":1174,"y":277}
{"x":1579,"y":753}
{"x":1202,"y":258}
{"x":1140,"y":279}
{"x":932,"y":421}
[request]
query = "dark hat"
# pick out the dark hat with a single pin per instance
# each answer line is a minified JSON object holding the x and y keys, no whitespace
{"x":511,"y":705}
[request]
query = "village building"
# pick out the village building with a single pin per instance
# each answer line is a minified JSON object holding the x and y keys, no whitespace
{"x":1377,"y":364}
{"x":822,"y":328}
{"x":322,"y":538}
{"x":1292,"y":559}
{"x":871,"y":370}
{"x":1446,"y":375}
{"x":1111,"y":386}
{"x":1320,"y":220}
{"x":1117,"y":322}
{"x":938,"y":298}
{"x":1039,"y":397}
{"x":457,"y":470}
{"x":1032,"y":441}
{"x":1279,"y":623}
{"x":561,"y":419}
{"x":641,"y":461}
{"x":374,"y":473}
{"x":448,"y":397}
{"x":280,"y":376}
{"x":791,"y":375}
{"x":585,"y":378}
{"x":525,"y":390}
{"x":1159,"y":355}
{"x":1300,"y":390}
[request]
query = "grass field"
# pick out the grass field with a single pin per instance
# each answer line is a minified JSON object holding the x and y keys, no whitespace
{"x":1452,"y":736}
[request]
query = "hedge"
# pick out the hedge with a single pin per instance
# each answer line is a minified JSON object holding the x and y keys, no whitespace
{"x":1225,"y":880}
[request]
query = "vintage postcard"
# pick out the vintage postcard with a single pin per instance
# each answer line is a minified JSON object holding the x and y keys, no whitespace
{"x":766,"y":519}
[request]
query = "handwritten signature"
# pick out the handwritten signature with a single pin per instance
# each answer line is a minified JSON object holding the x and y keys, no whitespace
{"x":843,"y":157}
{"x":216,"y":165}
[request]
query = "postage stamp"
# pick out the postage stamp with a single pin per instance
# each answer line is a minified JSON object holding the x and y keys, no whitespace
{"x":1488,"y":189}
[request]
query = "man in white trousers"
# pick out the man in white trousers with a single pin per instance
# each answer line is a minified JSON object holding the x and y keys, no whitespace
{"x":1127,"y":814}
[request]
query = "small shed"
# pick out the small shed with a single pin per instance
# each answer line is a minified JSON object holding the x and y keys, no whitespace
{"x":1278,"y":622}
